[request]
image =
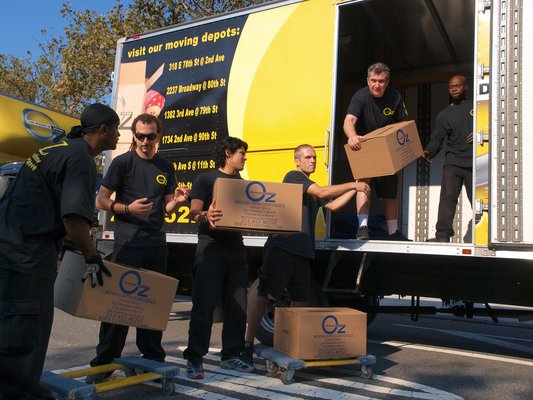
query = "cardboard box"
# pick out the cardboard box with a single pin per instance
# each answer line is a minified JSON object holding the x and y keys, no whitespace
{"x":132,"y":297}
{"x":385,"y":151}
{"x":309,"y":333}
{"x":259,"y":206}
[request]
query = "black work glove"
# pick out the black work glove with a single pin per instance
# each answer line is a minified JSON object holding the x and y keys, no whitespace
{"x":94,"y":267}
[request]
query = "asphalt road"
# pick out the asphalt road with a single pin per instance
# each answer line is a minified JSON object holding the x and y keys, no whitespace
{"x":437,"y":357}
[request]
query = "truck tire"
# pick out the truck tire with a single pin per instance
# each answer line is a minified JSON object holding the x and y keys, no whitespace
{"x":265,"y":333}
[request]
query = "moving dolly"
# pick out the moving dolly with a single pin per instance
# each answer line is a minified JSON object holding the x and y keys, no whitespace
{"x":67,"y":387}
{"x":279,"y":362}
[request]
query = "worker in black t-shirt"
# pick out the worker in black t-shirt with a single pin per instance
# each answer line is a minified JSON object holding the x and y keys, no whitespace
{"x":286,"y":257}
{"x":453,"y":130}
{"x":220,"y":270}
{"x":373,"y":107}
{"x":145,"y":191}
{"x":52,"y":196}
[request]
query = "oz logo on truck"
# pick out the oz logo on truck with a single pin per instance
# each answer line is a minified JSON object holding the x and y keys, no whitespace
{"x":256,"y":191}
{"x":130,"y":283}
{"x":331,"y":326}
{"x":41,"y":126}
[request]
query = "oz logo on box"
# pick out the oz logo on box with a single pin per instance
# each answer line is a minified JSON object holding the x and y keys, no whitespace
{"x":130,"y":283}
{"x":402,"y":137}
{"x":256,"y":191}
{"x":331,"y":326}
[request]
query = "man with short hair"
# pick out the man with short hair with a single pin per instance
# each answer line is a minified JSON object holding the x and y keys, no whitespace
{"x":220,"y":270}
{"x":286,"y":257}
{"x":453,"y":129}
{"x":145,"y":191}
{"x":52,"y":196}
{"x":372,"y":107}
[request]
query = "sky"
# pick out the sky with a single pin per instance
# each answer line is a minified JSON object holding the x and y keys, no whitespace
{"x":23,"y":21}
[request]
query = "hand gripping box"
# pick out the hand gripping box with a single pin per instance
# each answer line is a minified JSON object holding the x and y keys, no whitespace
{"x":385,"y":151}
{"x":259,"y":206}
{"x":310,"y":333}
{"x":132,"y":297}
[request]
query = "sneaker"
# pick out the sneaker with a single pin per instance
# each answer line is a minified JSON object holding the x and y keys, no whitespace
{"x":195,"y":370}
{"x":362,"y":233}
{"x":98,"y":378}
{"x":399,"y":237}
{"x":238,"y":364}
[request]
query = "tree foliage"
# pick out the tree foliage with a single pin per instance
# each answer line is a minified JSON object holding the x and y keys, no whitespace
{"x":75,"y":69}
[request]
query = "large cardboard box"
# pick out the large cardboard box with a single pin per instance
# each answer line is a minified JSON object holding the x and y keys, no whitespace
{"x":132,"y":297}
{"x":259,"y":206}
{"x":310,"y":333}
{"x":385,"y":151}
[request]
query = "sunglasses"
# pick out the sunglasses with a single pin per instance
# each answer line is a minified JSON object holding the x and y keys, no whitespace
{"x":150,"y":136}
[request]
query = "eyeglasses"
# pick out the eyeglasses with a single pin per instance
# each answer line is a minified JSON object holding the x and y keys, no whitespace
{"x":150,"y":136}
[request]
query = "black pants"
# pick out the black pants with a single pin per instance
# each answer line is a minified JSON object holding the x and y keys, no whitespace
{"x":26,"y":315}
{"x":220,"y":273}
{"x":112,"y":337}
{"x":453,"y":179}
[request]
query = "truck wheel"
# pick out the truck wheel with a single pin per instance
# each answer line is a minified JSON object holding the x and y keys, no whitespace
{"x":367,"y":304}
{"x":265,"y":333}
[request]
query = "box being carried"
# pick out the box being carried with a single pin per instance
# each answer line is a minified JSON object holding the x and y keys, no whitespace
{"x":132,"y":297}
{"x":385,"y":151}
{"x":259,"y":206}
{"x":308,"y":333}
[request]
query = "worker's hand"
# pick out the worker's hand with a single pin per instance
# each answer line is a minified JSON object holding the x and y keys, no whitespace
{"x":355,"y":142}
{"x":427,"y":157}
{"x":93,"y":268}
{"x":362,"y":187}
{"x":213,"y":214}
{"x":140,"y":206}
{"x":470,"y":138}
{"x":181,"y":194}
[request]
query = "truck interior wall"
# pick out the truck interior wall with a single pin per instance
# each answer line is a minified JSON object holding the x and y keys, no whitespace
{"x":405,"y":35}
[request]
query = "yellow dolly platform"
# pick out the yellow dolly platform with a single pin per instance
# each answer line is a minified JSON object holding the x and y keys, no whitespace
{"x":67,"y":387}
{"x":286,"y":365}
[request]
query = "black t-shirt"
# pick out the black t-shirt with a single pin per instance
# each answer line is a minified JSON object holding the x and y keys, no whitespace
{"x":303,"y":243}
{"x":453,"y":125}
{"x":132,"y":178}
{"x":56,"y":181}
{"x":376,"y":112}
{"x":202,"y":189}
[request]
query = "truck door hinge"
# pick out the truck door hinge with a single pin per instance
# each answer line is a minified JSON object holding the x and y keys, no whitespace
{"x":481,"y":206}
{"x":484,"y":5}
{"x":481,"y":137}
{"x":482,"y":70}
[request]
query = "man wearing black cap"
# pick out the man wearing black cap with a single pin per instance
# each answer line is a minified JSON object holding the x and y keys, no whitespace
{"x":52,"y":196}
{"x":145,"y":191}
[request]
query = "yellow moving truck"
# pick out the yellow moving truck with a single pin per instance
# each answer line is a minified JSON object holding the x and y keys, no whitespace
{"x":282,"y":74}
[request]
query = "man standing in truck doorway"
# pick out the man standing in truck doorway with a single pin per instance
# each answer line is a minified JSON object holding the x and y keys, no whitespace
{"x":145,"y":191}
{"x":453,"y":129}
{"x":52,"y":196}
{"x":286,"y":257}
{"x":220,"y":270}
{"x":373,"y":107}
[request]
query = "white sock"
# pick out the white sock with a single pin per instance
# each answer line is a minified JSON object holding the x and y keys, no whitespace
{"x":363,"y":219}
{"x":392,"y":226}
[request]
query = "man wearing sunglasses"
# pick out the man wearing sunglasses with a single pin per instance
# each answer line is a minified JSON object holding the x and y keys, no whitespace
{"x":145,"y":191}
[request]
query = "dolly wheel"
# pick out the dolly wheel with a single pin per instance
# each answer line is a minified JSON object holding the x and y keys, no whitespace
{"x":287,"y":376}
{"x":271,"y":366}
{"x":168,"y":387}
{"x":366,"y":372}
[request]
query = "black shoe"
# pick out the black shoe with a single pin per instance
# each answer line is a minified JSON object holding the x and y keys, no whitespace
{"x":238,"y":364}
{"x":443,"y":239}
{"x":195,"y":370}
{"x":362,"y":233}
{"x":399,"y":237}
